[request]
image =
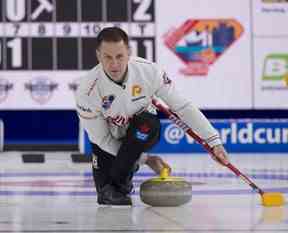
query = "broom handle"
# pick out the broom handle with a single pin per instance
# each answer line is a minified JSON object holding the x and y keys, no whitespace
{"x":173,"y":116}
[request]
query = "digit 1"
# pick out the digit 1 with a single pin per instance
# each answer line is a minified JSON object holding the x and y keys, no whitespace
{"x":148,"y":44}
{"x":16,"y":53}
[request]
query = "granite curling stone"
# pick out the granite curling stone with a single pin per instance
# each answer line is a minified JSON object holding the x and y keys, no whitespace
{"x":166,"y":191}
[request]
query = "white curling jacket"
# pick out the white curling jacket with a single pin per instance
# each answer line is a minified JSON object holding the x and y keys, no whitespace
{"x":105,"y":107}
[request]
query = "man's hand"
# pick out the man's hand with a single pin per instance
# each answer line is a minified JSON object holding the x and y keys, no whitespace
{"x":156,"y":163}
{"x":221,"y":155}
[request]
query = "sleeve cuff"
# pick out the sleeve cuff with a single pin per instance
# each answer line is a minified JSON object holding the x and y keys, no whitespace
{"x":214,"y":141}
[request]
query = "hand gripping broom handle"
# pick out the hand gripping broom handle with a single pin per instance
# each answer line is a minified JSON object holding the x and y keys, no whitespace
{"x":172,"y":116}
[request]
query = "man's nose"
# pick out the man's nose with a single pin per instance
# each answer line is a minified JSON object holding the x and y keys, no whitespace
{"x":114,"y":62}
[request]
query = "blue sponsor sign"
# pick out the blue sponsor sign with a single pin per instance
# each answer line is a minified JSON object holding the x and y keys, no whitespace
{"x":238,"y":136}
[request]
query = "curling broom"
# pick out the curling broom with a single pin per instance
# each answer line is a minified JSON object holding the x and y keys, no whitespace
{"x":269,"y":199}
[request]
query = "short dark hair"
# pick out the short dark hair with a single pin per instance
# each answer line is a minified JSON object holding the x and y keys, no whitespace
{"x":111,"y":34}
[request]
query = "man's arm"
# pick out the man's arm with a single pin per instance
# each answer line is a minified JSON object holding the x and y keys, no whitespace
{"x":94,"y":123}
{"x":99,"y":134}
{"x":190,"y":115}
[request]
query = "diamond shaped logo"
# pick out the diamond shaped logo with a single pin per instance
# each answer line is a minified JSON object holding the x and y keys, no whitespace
{"x":199,"y":43}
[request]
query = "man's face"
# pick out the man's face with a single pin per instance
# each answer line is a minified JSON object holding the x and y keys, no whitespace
{"x":114,"y":58}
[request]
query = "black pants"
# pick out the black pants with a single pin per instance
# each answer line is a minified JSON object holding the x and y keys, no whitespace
{"x":142,"y":134}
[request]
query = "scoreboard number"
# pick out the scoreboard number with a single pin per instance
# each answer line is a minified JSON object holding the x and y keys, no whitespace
{"x":16,"y":27}
{"x":67,"y":29}
{"x":14,"y":52}
{"x":15,"y":46}
{"x":143,"y":48}
{"x":41,"y":30}
{"x":46,"y":35}
{"x":15,"y":10}
{"x":90,"y":29}
{"x":140,"y":13}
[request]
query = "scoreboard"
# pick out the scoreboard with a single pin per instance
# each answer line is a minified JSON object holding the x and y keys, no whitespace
{"x":48,"y":38}
{"x":213,"y":56}
{"x":59,"y":34}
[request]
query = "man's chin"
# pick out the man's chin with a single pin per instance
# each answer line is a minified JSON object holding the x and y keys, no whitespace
{"x":116,"y":79}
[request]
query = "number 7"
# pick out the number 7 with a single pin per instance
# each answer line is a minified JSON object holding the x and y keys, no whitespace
{"x":16,"y":27}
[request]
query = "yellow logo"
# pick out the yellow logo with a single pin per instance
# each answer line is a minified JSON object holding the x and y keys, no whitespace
{"x":136,"y":90}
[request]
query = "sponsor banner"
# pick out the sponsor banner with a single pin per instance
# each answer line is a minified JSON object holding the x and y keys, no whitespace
{"x":270,"y":17}
{"x":271,"y":73}
{"x":205,"y":48}
{"x":238,"y":136}
{"x":37,"y":91}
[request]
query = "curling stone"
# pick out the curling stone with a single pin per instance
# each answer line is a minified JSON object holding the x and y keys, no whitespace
{"x":166,"y":190}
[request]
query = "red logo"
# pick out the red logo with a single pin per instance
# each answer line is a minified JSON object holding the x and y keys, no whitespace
{"x":144,"y":128}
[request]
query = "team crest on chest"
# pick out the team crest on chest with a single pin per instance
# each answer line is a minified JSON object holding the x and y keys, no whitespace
{"x":136,"y":90}
{"x":107,"y":101}
{"x":136,"y":93}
